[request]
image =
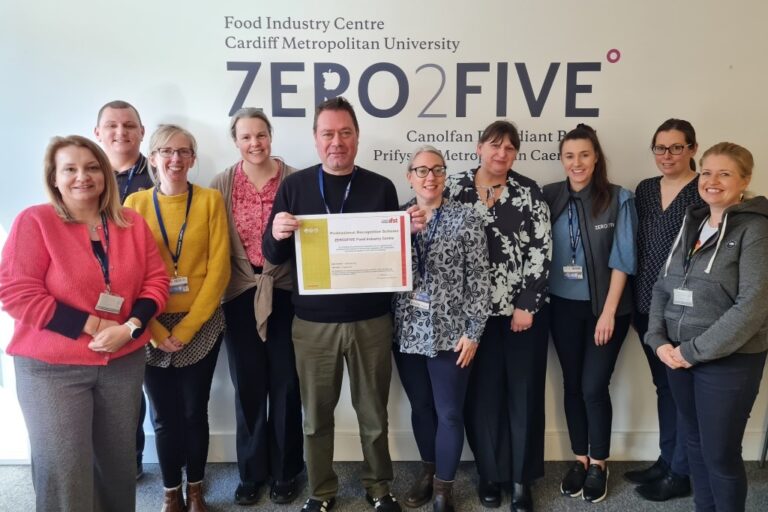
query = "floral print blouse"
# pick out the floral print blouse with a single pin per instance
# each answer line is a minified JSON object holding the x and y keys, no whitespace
{"x":519,"y":235}
{"x":457,"y":283}
{"x":251,"y":209}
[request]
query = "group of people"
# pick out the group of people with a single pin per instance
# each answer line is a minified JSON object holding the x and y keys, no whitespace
{"x":499,"y":264}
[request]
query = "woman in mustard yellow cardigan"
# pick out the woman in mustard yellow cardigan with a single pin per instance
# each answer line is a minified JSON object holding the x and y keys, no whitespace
{"x":189,"y":224}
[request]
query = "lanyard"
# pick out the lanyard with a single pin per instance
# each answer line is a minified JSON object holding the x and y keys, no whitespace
{"x":103,"y":258}
{"x":174,"y":256}
{"x":574,"y":234}
{"x":421,"y":258}
{"x":137,"y":167}
{"x":321,"y":183}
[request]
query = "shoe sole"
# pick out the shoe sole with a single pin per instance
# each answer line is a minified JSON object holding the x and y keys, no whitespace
{"x":575,"y":495}
{"x":661,"y":500}
{"x":601,"y":498}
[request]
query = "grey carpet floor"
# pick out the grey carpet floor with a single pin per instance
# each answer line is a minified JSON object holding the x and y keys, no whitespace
{"x":221,"y":479}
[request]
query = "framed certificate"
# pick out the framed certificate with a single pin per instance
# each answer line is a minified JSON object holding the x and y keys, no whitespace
{"x":354,"y":253}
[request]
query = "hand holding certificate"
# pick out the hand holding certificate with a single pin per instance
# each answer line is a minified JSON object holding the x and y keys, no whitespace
{"x":353,"y":253}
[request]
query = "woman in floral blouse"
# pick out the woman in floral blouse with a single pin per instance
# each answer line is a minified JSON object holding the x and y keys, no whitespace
{"x":438,"y":325}
{"x":505,"y":408}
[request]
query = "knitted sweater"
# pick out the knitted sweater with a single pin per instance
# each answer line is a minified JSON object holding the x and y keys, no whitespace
{"x":204,"y":256}
{"x":49,"y":269}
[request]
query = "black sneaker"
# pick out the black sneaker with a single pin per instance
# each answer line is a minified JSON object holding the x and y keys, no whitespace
{"x":596,"y":484}
{"x":573,"y":481}
{"x":386,"y":503}
{"x":313,"y":505}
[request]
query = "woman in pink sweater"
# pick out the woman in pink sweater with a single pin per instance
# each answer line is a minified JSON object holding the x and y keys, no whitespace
{"x":81,"y":277}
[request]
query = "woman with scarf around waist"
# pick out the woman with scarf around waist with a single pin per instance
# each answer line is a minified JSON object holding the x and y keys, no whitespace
{"x":593,"y":231}
{"x":258,"y":309}
{"x":189,"y":225}
{"x":708,"y":325}
{"x":438,"y":326}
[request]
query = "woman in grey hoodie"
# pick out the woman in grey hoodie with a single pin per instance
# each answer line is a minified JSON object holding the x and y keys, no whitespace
{"x":708,"y":325}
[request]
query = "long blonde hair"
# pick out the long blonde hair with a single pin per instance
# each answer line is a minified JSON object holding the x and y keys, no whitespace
{"x":109,"y":201}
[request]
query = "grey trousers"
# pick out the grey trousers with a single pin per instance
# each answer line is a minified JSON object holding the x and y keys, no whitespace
{"x":82,"y":432}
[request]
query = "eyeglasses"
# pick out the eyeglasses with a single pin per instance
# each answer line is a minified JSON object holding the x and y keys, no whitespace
{"x":169,"y":152}
{"x":437,"y":171}
{"x":674,"y":149}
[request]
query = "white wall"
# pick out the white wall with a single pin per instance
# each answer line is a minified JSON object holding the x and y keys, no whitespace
{"x":699,"y":60}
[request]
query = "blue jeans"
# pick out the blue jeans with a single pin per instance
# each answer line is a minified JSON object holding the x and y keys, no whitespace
{"x":714,"y":400}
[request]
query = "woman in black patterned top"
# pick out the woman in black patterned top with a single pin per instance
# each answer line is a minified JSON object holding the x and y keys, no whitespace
{"x":504,"y":415}
{"x":661,"y":203}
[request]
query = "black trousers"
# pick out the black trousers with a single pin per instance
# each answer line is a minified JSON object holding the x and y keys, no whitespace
{"x":714,"y":400}
{"x":179,"y":400}
{"x":267,"y":398}
{"x":504,"y":407}
{"x":587,"y":370}
{"x":671,"y":439}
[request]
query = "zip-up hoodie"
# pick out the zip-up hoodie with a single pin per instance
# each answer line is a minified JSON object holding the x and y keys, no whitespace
{"x":728,"y":277}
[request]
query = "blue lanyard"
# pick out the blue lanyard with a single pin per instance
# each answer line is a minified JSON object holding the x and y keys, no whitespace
{"x":574,"y":237}
{"x":321,"y":183}
{"x":421,"y":258}
{"x":140,"y":163}
{"x":103,"y":259}
{"x":174,"y":256}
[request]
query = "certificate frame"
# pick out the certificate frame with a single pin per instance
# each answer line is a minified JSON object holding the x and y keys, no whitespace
{"x":353,"y":253}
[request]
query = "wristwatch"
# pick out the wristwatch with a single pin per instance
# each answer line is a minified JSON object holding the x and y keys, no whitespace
{"x":134,"y":329}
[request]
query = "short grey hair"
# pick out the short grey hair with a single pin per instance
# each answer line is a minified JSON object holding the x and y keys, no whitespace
{"x":425,"y":149}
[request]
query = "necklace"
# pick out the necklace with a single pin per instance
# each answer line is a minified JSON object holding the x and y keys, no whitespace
{"x":489,"y":192}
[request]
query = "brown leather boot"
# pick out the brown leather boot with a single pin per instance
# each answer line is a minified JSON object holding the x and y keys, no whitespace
{"x":173,"y":501}
{"x":421,"y":490}
{"x":443,"y":496}
{"x":195,"y":499}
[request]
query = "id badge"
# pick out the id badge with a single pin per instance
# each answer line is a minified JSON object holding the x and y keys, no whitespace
{"x":683,"y":297}
{"x":179,"y":284}
{"x":573,"y":272}
{"x":109,"y":303}
{"x":420,"y":300}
